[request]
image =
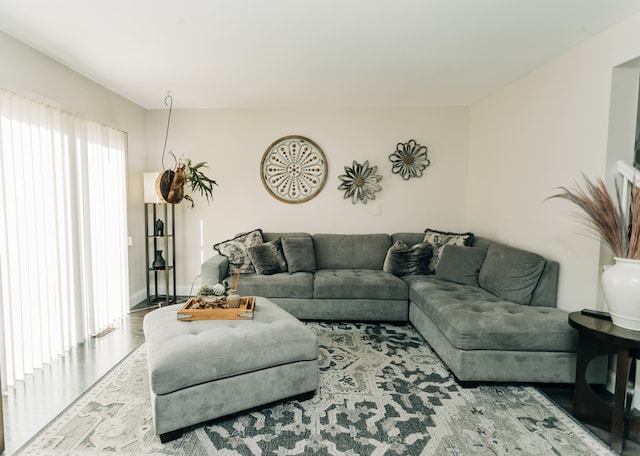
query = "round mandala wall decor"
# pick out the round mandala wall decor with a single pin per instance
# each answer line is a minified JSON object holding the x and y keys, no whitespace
{"x":409,"y":159}
{"x":293,"y":169}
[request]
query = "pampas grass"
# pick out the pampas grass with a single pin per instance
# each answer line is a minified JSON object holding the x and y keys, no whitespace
{"x":607,"y":219}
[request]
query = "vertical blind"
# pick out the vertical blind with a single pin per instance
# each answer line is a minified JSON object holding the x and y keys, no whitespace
{"x":63,"y":236}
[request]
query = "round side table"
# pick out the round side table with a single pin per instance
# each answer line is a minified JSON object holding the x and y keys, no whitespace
{"x":597,"y":337}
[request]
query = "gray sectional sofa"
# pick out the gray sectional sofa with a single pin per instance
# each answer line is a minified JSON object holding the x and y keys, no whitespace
{"x":487,"y":309}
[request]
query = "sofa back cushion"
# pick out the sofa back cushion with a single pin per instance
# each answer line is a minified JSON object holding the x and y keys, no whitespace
{"x":297,"y":248}
{"x":273,"y":236}
{"x":460,"y":264}
{"x":351,"y":251}
{"x":408,"y":238}
{"x":511,"y":273}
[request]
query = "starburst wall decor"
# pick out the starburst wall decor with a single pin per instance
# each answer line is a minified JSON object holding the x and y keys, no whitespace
{"x":360,"y":183}
{"x":409,"y":159}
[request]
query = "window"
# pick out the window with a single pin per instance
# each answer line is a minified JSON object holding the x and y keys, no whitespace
{"x":63,"y":237}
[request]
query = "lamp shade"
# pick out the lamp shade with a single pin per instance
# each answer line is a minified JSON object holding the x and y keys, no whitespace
{"x":150,"y":194}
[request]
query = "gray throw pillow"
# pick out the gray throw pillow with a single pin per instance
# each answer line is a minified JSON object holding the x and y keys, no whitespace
{"x":299,"y":254}
{"x":268,"y":258}
{"x":460,"y":264}
{"x":236,"y":250}
{"x":439,"y":239}
{"x":511,"y":273}
{"x":402,"y":260}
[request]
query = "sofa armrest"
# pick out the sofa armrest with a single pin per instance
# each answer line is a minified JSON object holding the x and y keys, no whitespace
{"x":214,"y":270}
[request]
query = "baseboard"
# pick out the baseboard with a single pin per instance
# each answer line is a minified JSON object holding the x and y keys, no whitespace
{"x":137,"y":297}
{"x":141,"y":295}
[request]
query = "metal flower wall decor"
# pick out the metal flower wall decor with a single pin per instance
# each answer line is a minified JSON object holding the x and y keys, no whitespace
{"x":360,"y":183}
{"x":409,"y":159}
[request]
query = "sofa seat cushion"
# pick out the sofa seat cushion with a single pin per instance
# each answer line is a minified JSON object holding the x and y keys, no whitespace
{"x":358,"y":284}
{"x":473,"y":319}
{"x":281,"y":285}
{"x":422,"y":287}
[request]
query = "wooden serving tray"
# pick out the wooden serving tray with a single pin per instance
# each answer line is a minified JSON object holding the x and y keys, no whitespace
{"x":244,"y":312}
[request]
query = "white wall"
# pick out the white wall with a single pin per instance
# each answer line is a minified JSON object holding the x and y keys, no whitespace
{"x":539,"y":133}
{"x":233,"y":142}
{"x":30,"y":73}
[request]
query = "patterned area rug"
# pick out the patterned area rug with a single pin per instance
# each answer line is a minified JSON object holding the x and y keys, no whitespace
{"x":382,"y":392}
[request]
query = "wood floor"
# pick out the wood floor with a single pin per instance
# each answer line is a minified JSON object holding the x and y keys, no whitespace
{"x":31,"y":404}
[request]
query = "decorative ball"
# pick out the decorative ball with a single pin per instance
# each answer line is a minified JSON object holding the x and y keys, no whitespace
{"x":219,"y":289}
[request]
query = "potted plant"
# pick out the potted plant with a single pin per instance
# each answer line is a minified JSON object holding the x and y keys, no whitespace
{"x":619,"y":228}
{"x":170,"y":183}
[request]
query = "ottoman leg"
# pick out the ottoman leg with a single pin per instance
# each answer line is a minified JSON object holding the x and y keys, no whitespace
{"x":169,"y":436}
{"x":305,"y":396}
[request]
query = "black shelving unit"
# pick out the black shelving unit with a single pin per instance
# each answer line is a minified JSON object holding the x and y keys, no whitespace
{"x":164,"y":241}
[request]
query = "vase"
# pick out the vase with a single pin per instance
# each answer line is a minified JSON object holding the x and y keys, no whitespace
{"x":158,"y":262}
{"x":621,"y":288}
{"x":233,"y":299}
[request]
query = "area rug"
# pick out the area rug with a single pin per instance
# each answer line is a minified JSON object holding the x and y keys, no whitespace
{"x":382,"y":391}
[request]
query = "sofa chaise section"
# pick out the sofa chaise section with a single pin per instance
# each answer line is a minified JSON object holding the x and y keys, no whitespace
{"x":483,"y":338}
{"x":507,"y":328}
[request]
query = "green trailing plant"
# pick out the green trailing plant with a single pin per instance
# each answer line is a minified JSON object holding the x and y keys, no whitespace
{"x":198,"y":181}
{"x":605,"y":217}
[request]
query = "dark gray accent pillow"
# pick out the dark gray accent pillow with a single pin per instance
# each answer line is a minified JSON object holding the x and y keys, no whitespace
{"x":439,"y":239}
{"x":511,"y":273}
{"x":402,"y":260}
{"x":299,"y":253}
{"x":268,"y":258}
{"x":236,"y":251}
{"x":460,"y":264}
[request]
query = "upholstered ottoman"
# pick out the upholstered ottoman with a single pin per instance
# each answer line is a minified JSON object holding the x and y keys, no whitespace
{"x":200,"y":370}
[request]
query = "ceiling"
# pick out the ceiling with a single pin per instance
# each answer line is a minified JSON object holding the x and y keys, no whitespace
{"x":306,"y":53}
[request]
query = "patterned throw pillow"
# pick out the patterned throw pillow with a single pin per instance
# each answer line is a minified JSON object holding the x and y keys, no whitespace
{"x":268,"y":258}
{"x":402,"y":260}
{"x":236,"y":250}
{"x":439,"y":239}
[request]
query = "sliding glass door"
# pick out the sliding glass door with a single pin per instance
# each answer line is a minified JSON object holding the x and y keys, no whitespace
{"x":63,"y":239}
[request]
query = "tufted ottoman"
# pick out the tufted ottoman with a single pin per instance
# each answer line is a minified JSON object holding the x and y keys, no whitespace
{"x":200,"y":370}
